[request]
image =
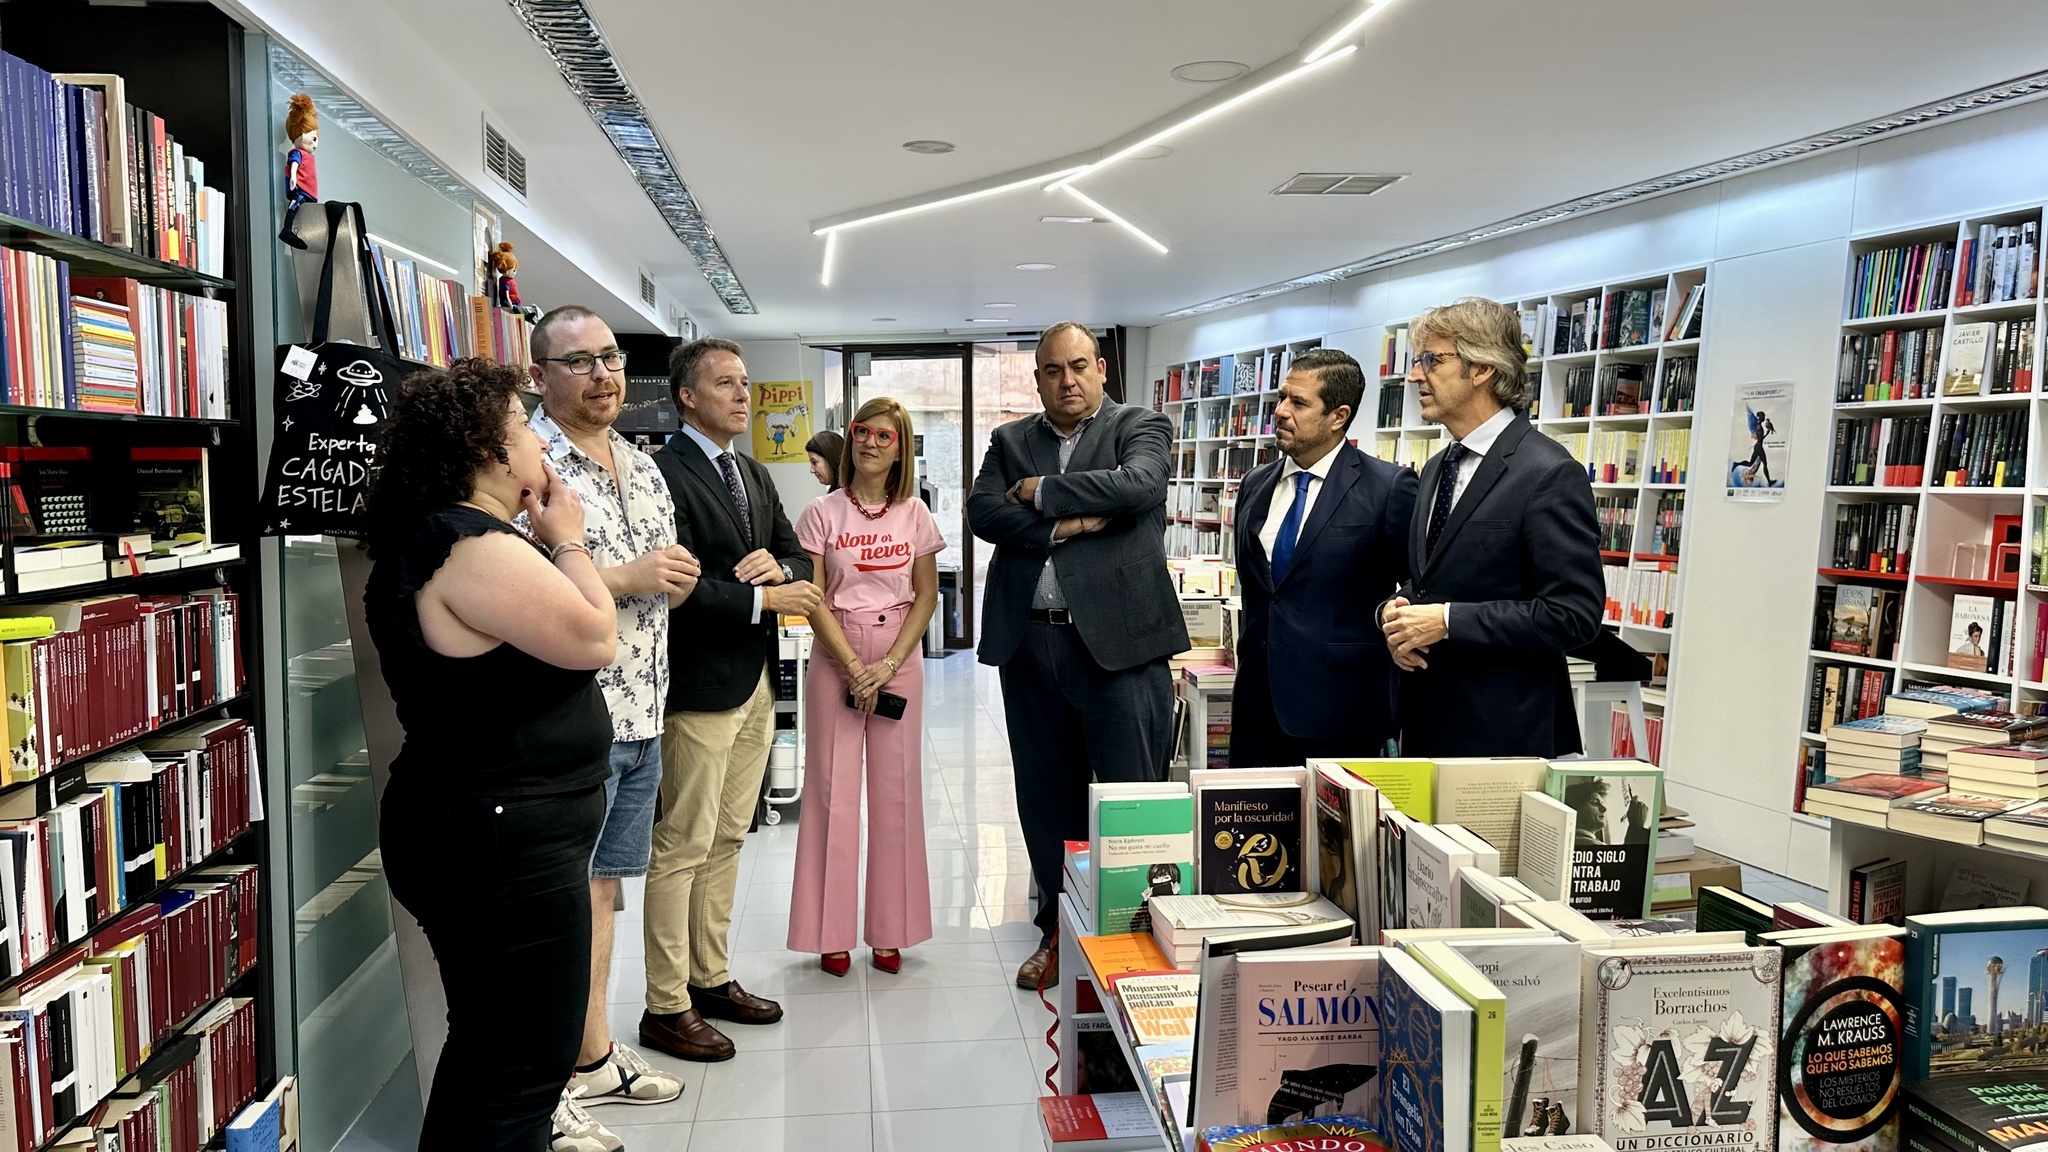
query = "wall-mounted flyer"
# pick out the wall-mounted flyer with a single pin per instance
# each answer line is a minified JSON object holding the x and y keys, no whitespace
{"x":1760,"y":443}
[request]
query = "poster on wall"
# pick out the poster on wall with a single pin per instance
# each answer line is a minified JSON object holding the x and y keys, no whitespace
{"x":782,"y":420}
{"x":1759,"y":442}
{"x":483,"y":236}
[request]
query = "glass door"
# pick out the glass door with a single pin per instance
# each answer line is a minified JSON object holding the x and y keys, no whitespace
{"x":1005,"y":389}
{"x":931,"y":383}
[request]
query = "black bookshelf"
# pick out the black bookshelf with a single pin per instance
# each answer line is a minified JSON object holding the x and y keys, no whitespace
{"x":91,"y":258}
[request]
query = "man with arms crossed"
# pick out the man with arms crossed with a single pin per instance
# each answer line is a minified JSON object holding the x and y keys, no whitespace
{"x":630,"y":528}
{"x":1081,"y":614}
{"x":1503,"y":554}
{"x":721,"y":701}
{"x":1322,"y":539}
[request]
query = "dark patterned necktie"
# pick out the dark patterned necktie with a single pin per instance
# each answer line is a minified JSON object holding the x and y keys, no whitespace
{"x":730,"y":471}
{"x":1446,"y":493}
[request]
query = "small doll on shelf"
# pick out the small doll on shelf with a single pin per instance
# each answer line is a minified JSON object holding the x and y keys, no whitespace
{"x":504,"y":270}
{"x":302,"y":128}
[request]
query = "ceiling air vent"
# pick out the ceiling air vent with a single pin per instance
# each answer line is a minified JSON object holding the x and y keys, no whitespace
{"x":1334,"y":184}
{"x":646,"y":290}
{"x":504,"y":161}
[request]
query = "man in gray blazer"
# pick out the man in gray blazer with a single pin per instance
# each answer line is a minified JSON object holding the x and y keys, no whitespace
{"x":1080,"y":613}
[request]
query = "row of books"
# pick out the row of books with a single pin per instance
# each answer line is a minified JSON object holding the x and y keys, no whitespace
{"x":1839,"y":693}
{"x":1667,"y":524}
{"x":1393,"y":406}
{"x":1990,"y":358}
{"x":1184,"y":539}
{"x":499,"y":334}
{"x":1394,"y":354}
{"x":1616,"y":578}
{"x":428,"y":312}
{"x":76,"y":157}
{"x":1881,"y":451}
{"x":1611,"y":456}
{"x":2001,"y":262}
{"x":1680,"y":381}
{"x":1653,"y":594}
{"x":1980,"y":450}
{"x":112,"y":668}
{"x":1895,"y":364}
{"x":1873,"y":537}
{"x":118,"y":1003}
{"x":1670,"y":455}
{"x":1245,"y":420}
{"x":1616,"y":516}
{"x":108,"y":344}
{"x":1902,"y":278}
{"x":1857,"y":620}
{"x":1411,"y":451}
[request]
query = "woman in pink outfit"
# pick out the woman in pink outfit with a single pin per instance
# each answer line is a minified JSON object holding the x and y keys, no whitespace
{"x":874,"y":543}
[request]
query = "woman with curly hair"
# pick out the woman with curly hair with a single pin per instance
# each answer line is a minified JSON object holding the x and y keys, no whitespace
{"x":490,"y":641}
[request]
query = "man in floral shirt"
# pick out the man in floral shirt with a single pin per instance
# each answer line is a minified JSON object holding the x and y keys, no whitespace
{"x":629,"y":526}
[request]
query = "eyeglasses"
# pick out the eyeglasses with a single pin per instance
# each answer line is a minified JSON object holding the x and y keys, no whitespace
{"x":583,"y":363}
{"x":880,"y":437}
{"x":1429,"y":360}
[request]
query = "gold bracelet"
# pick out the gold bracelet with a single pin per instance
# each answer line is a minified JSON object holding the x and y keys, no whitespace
{"x":556,"y":552}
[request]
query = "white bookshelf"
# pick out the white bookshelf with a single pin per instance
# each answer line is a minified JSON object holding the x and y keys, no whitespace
{"x":1929,"y":863}
{"x":1221,"y":432}
{"x":1944,"y":516}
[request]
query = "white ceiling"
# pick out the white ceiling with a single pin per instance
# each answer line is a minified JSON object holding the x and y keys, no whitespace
{"x":781,"y":112}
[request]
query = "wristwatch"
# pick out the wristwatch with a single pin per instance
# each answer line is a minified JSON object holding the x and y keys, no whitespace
{"x":788,"y":575}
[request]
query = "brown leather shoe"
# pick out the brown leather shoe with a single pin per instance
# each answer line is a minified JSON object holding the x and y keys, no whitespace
{"x":1044,"y":965}
{"x":734,"y":1003}
{"x":685,"y":1037}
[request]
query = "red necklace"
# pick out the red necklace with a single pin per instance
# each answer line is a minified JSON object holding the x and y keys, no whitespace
{"x":862,"y":509}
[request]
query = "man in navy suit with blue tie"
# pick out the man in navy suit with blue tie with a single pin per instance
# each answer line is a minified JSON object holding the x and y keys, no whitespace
{"x":1321,"y":540}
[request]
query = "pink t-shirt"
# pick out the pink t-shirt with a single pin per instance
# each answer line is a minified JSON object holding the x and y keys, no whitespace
{"x":867,"y":562}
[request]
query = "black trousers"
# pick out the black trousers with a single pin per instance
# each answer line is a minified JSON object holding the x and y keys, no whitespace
{"x":1257,"y":739}
{"x":502,"y":888}
{"x":1072,"y":721}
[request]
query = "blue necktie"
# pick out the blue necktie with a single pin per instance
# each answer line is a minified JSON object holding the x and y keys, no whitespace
{"x":1446,"y":493}
{"x":1290,"y":527}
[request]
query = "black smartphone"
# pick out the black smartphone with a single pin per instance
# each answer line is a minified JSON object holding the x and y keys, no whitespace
{"x":888,"y":705}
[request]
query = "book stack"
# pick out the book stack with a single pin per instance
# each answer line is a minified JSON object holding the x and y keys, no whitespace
{"x":1978,"y":727}
{"x":1882,"y":744}
{"x":181,"y":349}
{"x":106,"y":375}
{"x":2020,"y":830}
{"x":1956,"y":817}
{"x":1934,"y":701}
{"x":2000,"y":1111}
{"x":2000,"y":263}
{"x":107,"y":171}
{"x":498,"y":334}
{"x":1867,"y":799}
{"x":1181,"y":923}
{"x":1905,"y":278}
{"x":2017,"y":771}
{"x":1895,"y":364}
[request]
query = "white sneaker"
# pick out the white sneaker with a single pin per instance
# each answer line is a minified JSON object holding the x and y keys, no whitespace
{"x":575,"y":1131}
{"x":626,"y":1078}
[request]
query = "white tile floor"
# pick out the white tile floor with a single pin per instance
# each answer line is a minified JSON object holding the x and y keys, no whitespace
{"x":947,"y":1050}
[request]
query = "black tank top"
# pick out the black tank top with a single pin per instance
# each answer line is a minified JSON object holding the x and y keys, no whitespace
{"x":505,"y":723}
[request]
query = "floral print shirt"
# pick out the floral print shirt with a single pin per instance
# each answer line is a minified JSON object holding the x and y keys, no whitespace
{"x":618,"y":531}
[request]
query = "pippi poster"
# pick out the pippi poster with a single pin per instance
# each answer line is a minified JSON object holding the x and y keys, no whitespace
{"x":782,"y":420}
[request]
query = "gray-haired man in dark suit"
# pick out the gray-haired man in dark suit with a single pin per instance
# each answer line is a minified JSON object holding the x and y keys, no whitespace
{"x":1080,"y":613}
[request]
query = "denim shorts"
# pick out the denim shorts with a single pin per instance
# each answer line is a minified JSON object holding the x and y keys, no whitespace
{"x":629,"y":794}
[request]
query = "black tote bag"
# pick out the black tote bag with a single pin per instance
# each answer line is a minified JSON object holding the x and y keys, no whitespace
{"x":331,"y":399}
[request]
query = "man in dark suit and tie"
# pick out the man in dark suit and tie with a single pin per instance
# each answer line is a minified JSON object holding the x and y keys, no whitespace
{"x":1080,"y":613}
{"x":721,"y":701}
{"x":1503,"y":554}
{"x":1322,"y":539}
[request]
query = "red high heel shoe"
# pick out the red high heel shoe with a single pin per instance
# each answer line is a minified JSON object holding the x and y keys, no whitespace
{"x":836,"y":963}
{"x":891,"y":963}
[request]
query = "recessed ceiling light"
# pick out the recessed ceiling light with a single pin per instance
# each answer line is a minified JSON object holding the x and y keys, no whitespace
{"x":1036,"y":267}
{"x":986,"y":320}
{"x":999,"y":304}
{"x":928,"y":147}
{"x":1155,"y":152}
{"x":1066,"y":219}
{"x":1210,"y":71}
{"x":884,"y":320}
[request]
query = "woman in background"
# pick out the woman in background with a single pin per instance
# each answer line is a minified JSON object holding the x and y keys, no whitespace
{"x":825,"y":450}
{"x":491,"y":641}
{"x":875,"y":545}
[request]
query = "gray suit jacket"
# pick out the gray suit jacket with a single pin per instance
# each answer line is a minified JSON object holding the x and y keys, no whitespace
{"x":1115,"y":581}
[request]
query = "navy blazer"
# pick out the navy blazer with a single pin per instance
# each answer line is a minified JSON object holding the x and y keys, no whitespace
{"x":1115,"y":581}
{"x":1314,"y":635}
{"x":1519,"y":560}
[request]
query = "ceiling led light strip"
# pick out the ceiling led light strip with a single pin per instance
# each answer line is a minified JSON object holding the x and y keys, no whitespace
{"x":569,"y":34}
{"x":1968,"y":103}
{"x":927,"y":206}
{"x":831,"y":249}
{"x":1113,"y":218}
{"x":1206,"y":114}
{"x":1349,"y":30}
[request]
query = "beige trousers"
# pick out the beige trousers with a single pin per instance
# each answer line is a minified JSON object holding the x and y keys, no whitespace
{"x":711,"y":769}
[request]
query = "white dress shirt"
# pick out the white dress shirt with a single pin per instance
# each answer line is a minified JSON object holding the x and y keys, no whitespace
{"x":1283,"y":497}
{"x":712,"y":452}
